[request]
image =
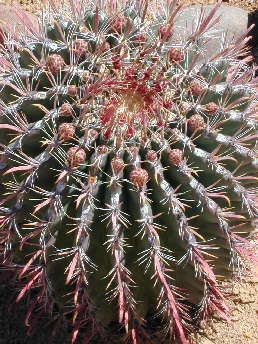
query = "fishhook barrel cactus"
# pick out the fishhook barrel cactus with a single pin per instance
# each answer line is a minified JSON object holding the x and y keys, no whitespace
{"x":128,"y":167}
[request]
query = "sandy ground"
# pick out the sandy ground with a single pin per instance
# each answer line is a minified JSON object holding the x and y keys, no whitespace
{"x":248,"y":5}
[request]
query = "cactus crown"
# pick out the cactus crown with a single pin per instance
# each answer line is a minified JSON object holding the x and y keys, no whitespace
{"x":128,"y":166}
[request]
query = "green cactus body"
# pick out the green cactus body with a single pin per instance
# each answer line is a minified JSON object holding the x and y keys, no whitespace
{"x":128,"y":167}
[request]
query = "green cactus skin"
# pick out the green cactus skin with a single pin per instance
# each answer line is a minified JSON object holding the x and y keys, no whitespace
{"x":128,"y":168}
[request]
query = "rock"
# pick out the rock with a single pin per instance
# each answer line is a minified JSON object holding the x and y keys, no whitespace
{"x":247,"y":299}
{"x":233,"y":23}
{"x":234,"y":318}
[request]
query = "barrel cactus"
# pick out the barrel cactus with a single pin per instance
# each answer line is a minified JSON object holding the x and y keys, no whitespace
{"x":128,"y":168}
